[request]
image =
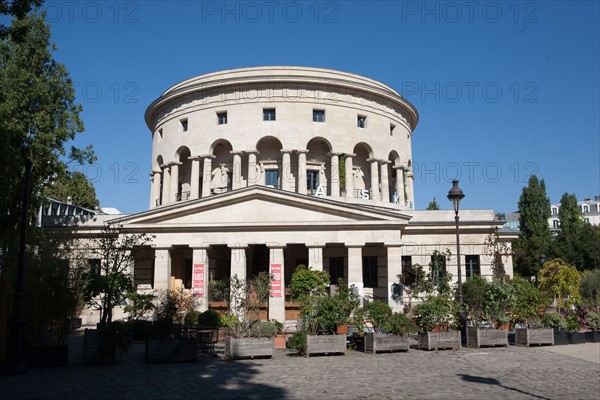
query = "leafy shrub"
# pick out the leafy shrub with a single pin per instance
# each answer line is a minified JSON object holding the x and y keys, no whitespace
{"x":589,"y":288}
{"x":529,"y":303}
{"x":298,"y":342}
{"x":378,"y":313}
{"x":219,"y":289}
{"x":572,"y":322}
{"x":399,"y":324}
{"x":436,"y":311}
{"x":263,"y":329}
{"x":191,"y":317}
{"x":209,"y":318}
{"x":592,"y":319}
{"x":554,"y":321}
{"x":228,"y":320}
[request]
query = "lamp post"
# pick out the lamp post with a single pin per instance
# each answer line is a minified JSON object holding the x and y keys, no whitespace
{"x":455,"y":195}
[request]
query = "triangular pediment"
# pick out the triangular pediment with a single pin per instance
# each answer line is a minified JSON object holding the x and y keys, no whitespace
{"x":261,"y":206}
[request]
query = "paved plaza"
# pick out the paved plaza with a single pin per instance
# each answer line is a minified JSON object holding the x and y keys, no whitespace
{"x":560,"y":372}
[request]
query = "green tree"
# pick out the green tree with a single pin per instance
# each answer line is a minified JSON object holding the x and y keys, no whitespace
{"x":589,"y":246}
{"x":561,"y":281}
{"x":571,"y":223}
{"x":38,"y":116}
{"x":589,"y":288}
{"x":109,"y":283}
{"x":76,"y":186}
{"x":494,"y":248}
{"x":535,"y":238}
{"x":433,"y":205}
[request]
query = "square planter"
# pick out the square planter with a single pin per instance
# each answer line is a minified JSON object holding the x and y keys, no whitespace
{"x":561,"y":338}
{"x":249,"y":347}
{"x":487,"y":337}
{"x":375,"y":342}
{"x":439,"y":340}
{"x":576,"y":337}
{"x":280,"y":341}
{"x":530,"y":336}
{"x":172,"y":349}
{"x":99,"y":347}
{"x":325,"y":344}
{"x":592,"y":337}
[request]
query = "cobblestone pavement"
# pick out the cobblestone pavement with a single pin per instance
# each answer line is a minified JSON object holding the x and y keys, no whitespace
{"x":491,"y":373}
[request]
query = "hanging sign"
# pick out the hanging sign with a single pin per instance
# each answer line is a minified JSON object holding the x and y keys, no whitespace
{"x":275,"y":280}
{"x":198,"y":280}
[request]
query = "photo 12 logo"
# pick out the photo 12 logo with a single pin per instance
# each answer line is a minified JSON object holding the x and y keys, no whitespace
{"x":471,"y":92}
{"x":252,"y":12}
{"x":453,"y":12}
{"x":92,"y":12}
{"x":473,"y":171}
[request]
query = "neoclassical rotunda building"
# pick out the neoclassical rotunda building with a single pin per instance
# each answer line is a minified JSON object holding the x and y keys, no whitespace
{"x":264,"y":169}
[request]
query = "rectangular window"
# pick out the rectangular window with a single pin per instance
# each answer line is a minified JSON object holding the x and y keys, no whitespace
{"x":437,"y":270}
{"x":222,"y":118}
{"x":95,"y":265}
{"x":184,"y":125}
{"x":554,"y":211}
{"x":336,"y":269}
{"x":319,"y":115}
{"x":268,"y":114}
{"x":160,"y":135}
{"x":312,"y":181}
{"x":272,"y":178}
{"x":587,"y":220}
{"x":392,"y":127}
{"x":369,"y":264}
{"x":229,"y":181}
{"x":408,"y":274}
{"x":555,"y":224}
{"x":361,"y":121}
{"x":472,"y":265}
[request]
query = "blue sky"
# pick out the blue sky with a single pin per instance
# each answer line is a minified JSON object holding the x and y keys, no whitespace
{"x":504,"y":89}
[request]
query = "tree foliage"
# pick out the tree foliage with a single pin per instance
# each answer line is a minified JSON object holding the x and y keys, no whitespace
{"x":561,"y":281}
{"x":74,"y":187}
{"x":535,"y":238}
{"x":494,"y":248}
{"x":17,"y":9}
{"x":433,"y":205}
{"x":589,"y":288}
{"x":571,"y":225}
{"x":110,"y":284}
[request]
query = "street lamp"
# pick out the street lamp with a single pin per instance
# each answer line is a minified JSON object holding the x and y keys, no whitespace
{"x":455,"y":195}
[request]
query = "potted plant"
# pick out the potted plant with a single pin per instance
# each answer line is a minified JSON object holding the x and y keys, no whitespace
{"x":592,"y":320}
{"x":487,"y":305}
{"x":248,"y":336}
{"x":390,"y":329}
{"x":436,"y":320}
{"x":168,"y":342}
{"x":321,"y":314}
{"x":526,"y":315}
{"x":574,"y":333}
{"x":558,"y":324}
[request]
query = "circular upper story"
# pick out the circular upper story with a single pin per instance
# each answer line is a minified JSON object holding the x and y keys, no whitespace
{"x":292,"y":104}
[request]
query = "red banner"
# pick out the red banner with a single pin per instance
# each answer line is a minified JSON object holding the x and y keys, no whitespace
{"x":198,"y":280}
{"x":275,"y":280}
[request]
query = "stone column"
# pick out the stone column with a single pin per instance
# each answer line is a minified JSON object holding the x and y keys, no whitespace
{"x":252,"y":168}
{"x":277,"y":304}
{"x":374,"y":178}
{"x":315,"y":257}
{"x":195,"y":178}
{"x":301,"y":180}
{"x":349,"y":175}
{"x":238,"y":262}
{"x":410,"y":189}
{"x":286,"y":182}
{"x":162,"y":268}
{"x":199,"y":256}
{"x":166,"y":187}
{"x":385,"y":181}
{"x":237,"y":170}
{"x":174,"y":189}
{"x":206,"y":174}
{"x":394,"y":268}
{"x":355,"y":275}
{"x":334,"y":178}
{"x":155,"y":191}
{"x":400,"y":185}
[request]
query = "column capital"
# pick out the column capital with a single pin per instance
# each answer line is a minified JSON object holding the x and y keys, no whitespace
{"x":401,"y":167}
{"x":354,"y":245}
{"x":393,"y":245}
{"x":383,"y":162}
{"x":371,"y":160}
{"x":275,"y":245}
{"x":152,"y":173}
{"x":314,"y":246}
{"x":256,"y":152}
{"x":334,"y":153}
{"x":206,"y":156}
{"x":301,"y":151}
{"x":236,"y":152}
{"x":350,"y":155}
{"x":283,"y":151}
{"x":237,"y":246}
{"x":174,"y":163}
{"x":164,"y":166}
{"x":195,"y":158}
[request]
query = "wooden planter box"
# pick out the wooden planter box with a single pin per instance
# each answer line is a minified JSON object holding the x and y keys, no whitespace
{"x":172,"y":349}
{"x":375,"y":342}
{"x":439,"y":340}
{"x":592,"y":337}
{"x":487,"y":337}
{"x":325,"y":344}
{"x":99,"y":348}
{"x":528,"y":336}
{"x":249,"y":347}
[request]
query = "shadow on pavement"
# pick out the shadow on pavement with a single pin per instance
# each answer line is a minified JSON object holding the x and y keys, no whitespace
{"x":494,"y":381}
